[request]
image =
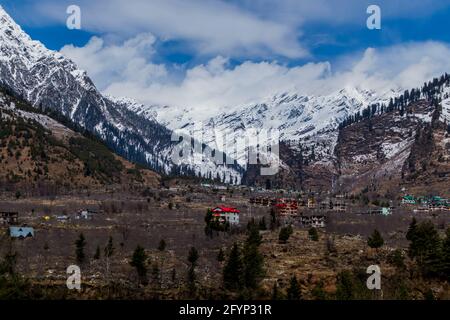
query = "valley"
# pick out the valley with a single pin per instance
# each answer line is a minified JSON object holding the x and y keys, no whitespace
{"x":98,"y":182}
{"x":175,"y":216}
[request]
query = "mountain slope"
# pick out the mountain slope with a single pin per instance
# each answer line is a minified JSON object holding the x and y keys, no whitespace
{"x":39,"y":154}
{"x":406,"y":149}
{"x":51,"y":82}
{"x":346,"y":138}
{"x":310,"y":120}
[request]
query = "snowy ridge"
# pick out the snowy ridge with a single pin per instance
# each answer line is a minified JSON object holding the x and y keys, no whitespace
{"x":307,"y":120}
{"x":445,"y":116}
{"x":143,"y":134}
{"x":49,"y":81}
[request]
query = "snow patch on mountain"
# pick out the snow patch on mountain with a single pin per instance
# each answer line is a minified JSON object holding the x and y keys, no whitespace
{"x":49,"y":81}
{"x":445,"y":116}
{"x":311,"y":121}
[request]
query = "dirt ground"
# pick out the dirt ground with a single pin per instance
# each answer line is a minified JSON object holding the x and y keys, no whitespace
{"x":177,"y":217}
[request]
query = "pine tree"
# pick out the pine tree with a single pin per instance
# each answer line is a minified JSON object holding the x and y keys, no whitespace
{"x":253,"y":265}
{"x":429,"y":295}
{"x":445,"y":270}
{"x":293,"y":292}
{"x":139,"y":261}
{"x":262,"y":224}
{"x":156,"y":273}
{"x":375,"y":240}
{"x":80,"y":243}
{"x":318,"y":292}
{"x":108,"y":252}
{"x":345,"y":289}
{"x":274,"y":223}
{"x":233,"y":270}
{"x":97,"y":253}
{"x":192,"y":258}
{"x":411,"y":230}
{"x":276,"y":295}
{"x":426,"y":248}
{"x":254,"y":238}
{"x":285,"y":234}
{"x":221,"y":256}
{"x":313,"y":234}
{"x":396,"y":258}
{"x":174,"y":275}
{"x":109,"y":249}
{"x":162,"y":245}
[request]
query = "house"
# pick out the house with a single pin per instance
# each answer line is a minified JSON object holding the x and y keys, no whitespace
{"x":423,"y":200}
{"x":437,"y":207}
{"x":339,"y":204}
{"x":311,"y":203}
{"x":265,"y":202}
{"x":385,"y":211}
{"x":21,"y":232}
{"x":315,"y":221}
{"x":422,"y":209}
{"x":8,"y":218}
{"x":63,"y":218}
{"x":226,"y":214}
{"x":286,"y":207}
{"x":326,"y":204}
{"x":437,"y":203}
{"x":301,"y":203}
{"x":408,"y":199}
{"x":85,"y":214}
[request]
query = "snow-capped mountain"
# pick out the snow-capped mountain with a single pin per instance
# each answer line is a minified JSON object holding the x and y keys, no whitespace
{"x":308,"y":126}
{"x":311,"y":121}
{"x":53,"y":83}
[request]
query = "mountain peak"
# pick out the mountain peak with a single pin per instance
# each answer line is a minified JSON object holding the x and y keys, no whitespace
{"x":7,"y":22}
{"x":17,"y":43}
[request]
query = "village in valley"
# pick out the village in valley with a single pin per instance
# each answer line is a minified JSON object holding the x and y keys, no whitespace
{"x":312,"y":236}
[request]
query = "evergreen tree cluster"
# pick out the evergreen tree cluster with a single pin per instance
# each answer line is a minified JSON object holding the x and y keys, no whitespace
{"x":429,"y":250}
{"x":429,"y":91}
{"x":244,"y":268}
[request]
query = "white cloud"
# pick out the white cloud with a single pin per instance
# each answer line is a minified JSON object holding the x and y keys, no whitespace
{"x":127,"y":70}
{"x":234,"y":28}
{"x":128,"y":62}
{"x":339,"y":12}
{"x":209,"y":26}
{"x":406,"y":65}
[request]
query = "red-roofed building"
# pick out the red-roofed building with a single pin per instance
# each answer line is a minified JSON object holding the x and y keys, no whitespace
{"x":226,"y":214}
{"x":286,"y":207}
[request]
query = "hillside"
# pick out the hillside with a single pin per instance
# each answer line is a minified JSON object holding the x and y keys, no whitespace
{"x":51,"y":82}
{"x":403,"y":150}
{"x":40,"y":154}
{"x":386,"y":150}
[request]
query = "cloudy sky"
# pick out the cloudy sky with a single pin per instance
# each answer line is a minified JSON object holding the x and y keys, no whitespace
{"x":229,"y":52}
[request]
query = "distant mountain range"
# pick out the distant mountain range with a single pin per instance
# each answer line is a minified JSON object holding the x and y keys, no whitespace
{"x":321,"y":146}
{"x":53,"y":83}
